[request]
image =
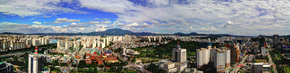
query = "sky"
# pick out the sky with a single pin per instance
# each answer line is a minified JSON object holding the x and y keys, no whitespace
{"x":236,"y":17}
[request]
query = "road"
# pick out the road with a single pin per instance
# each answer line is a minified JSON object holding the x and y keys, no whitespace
{"x":236,"y":68}
{"x":271,"y":63}
{"x":141,"y":69}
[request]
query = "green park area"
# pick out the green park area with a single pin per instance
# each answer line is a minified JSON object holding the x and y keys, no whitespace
{"x":282,"y":65}
{"x":164,"y":51}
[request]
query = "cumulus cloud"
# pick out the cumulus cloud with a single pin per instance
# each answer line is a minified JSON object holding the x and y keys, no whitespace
{"x":135,"y":27}
{"x":36,"y":22}
{"x":96,"y":18}
{"x":60,"y":20}
{"x":228,"y":24}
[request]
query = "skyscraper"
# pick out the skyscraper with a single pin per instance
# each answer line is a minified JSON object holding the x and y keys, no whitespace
{"x":178,"y":54}
{"x":262,"y":42}
{"x":35,"y":62}
{"x":275,"y":39}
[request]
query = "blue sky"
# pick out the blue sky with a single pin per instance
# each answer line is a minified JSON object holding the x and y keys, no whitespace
{"x":238,"y":17}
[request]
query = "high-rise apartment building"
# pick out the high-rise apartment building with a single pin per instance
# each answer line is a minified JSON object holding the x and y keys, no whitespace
{"x":235,"y":52}
{"x":219,"y":63}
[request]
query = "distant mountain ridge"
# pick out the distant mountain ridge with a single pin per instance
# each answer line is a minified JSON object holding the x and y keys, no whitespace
{"x":121,"y":32}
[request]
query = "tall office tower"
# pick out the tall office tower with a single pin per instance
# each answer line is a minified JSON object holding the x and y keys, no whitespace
{"x":275,"y":39}
{"x":235,"y":52}
{"x":219,"y":63}
{"x":178,"y":54}
{"x":261,"y":42}
{"x":154,"y":38}
{"x":35,"y":62}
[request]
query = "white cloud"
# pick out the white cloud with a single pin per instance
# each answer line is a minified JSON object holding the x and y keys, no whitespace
{"x":33,"y":7}
{"x":116,"y":6}
{"x":96,"y":22}
{"x":228,"y":24}
{"x":96,"y":18}
{"x":188,"y":12}
{"x":60,"y":20}
{"x":203,"y":29}
{"x":135,"y":27}
{"x":36,"y":22}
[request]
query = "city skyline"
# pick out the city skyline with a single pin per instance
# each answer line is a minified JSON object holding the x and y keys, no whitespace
{"x":162,"y":17}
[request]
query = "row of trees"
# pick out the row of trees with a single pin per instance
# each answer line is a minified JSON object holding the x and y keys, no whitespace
{"x":154,"y":69}
{"x":279,"y":59}
{"x":165,"y":50}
